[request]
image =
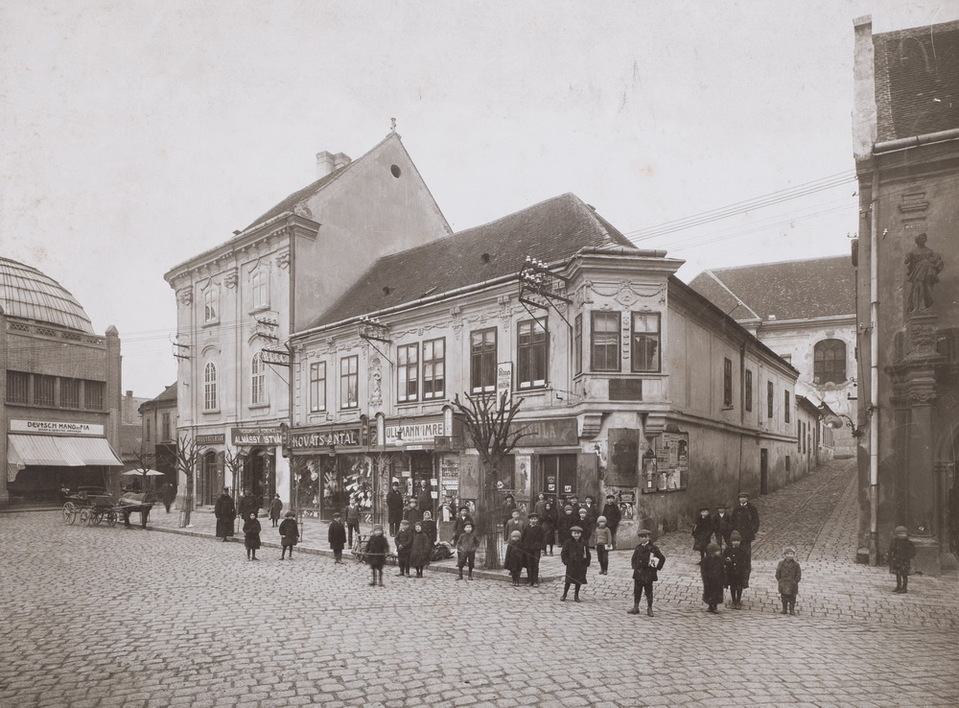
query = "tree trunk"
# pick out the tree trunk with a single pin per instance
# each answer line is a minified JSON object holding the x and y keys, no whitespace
{"x":489,"y":513}
{"x":187,"y":502}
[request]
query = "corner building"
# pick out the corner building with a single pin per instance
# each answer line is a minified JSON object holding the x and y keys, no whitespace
{"x":632,"y":383}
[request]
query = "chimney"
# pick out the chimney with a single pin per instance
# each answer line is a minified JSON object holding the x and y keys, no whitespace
{"x":341,"y":160}
{"x":864,"y":112}
{"x":324,"y":164}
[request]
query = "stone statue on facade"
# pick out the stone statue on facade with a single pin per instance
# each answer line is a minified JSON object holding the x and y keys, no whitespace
{"x":923,"y":266}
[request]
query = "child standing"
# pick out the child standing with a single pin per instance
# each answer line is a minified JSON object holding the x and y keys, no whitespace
{"x":514,"y":557}
{"x":722,"y":526}
{"x":714,"y":577}
{"x":604,"y":540}
{"x":737,"y":563}
{"x":901,"y":553}
{"x":420,"y":549}
{"x":532,"y":545}
{"x":429,"y":527}
{"x":289,"y":534}
{"x":251,"y":536}
{"x":376,"y":549}
{"x":466,"y":545}
{"x":647,"y":561}
{"x":788,"y":573}
{"x":576,"y":558}
{"x":276,"y":506}
{"x":353,"y":519}
{"x":404,"y":544}
{"x":702,"y":532}
{"x":337,"y":537}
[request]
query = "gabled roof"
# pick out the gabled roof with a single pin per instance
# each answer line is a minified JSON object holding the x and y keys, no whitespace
{"x":301,"y":195}
{"x":168,"y":395}
{"x":917,"y":80}
{"x":789,"y":290}
{"x":551,"y":230}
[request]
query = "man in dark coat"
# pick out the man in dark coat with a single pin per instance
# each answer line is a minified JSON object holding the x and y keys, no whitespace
{"x":613,"y":515}
{"x":248,"y":504}
{"x":714,"y":577}
{"x":412,"y":513}
{"x":425,"y":498}
{"x":225,"y":512}
{"x":647,"y":561}
{"x":394,"y":506}
{"x":745,"y":519}
{"x":337,"y":537}
{"x":509,"y":505}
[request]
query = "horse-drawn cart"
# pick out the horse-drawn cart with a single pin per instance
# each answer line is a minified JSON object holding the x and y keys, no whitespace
{"x":95,"y":509}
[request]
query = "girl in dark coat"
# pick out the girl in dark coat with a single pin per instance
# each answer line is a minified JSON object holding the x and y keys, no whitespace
{"x":376,"y":550}
{"x":714,"y":577}
{"x":514,"y":557}
{"x":576,"y":558}
{"x":548,"y":520}
{"x":251,"y":536}
{"x":702,"y":533}
{"x":225,"y":512}
{"x":289,"y":534}
{"x":901,"y":552}
{"x":737,"y":567}
{"x":404,"y":544}
{"x":337,"y":537}
{"x":420,"y":549}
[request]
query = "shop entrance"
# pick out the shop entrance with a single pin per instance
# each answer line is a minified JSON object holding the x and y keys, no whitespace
{"x":421,"y":470}
{"x":558,"y":476}
{"x":259,"y":475}
{"x":211,"y":479}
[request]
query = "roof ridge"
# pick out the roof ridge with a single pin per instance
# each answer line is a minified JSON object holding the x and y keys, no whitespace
{"x":775,"y":263}
{"x":739,"y":300}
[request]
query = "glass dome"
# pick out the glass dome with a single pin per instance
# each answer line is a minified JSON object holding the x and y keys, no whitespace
{"x":27,"y":293}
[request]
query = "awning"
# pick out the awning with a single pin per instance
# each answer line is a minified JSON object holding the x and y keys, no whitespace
{"x":57,"y":451}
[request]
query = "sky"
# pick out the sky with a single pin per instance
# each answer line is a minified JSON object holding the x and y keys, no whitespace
{"x":138,"y":134}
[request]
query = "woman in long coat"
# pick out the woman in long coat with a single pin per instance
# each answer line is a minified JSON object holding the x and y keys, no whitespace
{"x":420,"y":549}
{"x":225,"y":512}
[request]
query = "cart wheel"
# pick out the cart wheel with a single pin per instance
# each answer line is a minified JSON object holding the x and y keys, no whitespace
{"x":97,"y":517}
{"x":86,"y":518}
{"x":69,"y":511}
{"x":73,"y":517}
{"x":111,"y":518}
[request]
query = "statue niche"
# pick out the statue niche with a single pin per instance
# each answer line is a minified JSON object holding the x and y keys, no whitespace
{"x":923,"y":266}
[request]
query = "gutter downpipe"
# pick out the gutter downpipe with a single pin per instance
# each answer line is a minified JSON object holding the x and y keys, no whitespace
{"x":874,"y":367}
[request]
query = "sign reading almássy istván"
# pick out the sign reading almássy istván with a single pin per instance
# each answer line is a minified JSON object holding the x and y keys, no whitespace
{"x":55,"y":427}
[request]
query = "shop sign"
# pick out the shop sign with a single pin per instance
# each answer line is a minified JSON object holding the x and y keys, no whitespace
{"x":210,"y":439}
{"x":504,"y":380}
{"x":544,"y":433}
{"x":345,"y":437}
{"x":256,"y":436}
{"x":55,"y":427}
{"x":415,"y":433}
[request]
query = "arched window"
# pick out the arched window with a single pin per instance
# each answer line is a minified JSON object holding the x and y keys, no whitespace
{"x":257,"y":380}
{"x":829,"y":363}
{"x":209,"y":387}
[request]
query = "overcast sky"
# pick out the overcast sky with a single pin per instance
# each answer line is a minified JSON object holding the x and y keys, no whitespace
{"x":138,"y":134}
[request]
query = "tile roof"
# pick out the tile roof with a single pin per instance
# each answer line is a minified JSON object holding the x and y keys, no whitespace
{"x":298,"y":196}
{"x":819,"y":287}
{"x":551,"y":230}
{"x":917,"y":80}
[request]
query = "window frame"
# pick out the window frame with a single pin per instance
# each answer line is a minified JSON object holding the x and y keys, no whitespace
{"x":832,"y":369}
{"x":770,"y":399}
{"x":259,"y":289}
{"x":748,"y":390}
{"x":44,"y":390}
{"x":165,"y":420}
{"x":210,"y":393}
{"x":211,"y":305}
{"x":18,"y":380}
{"x":532,"y":353}
{"x":614,"y":346}
{"x":431,"y":365}
{"x":483,"y":360}
{"x":70,"y":395}
{"x":317,"y":386}
{"x":407,"y":373}
{"x":93,"y":393}
{"x":656,"y":337}
{"x":727,"y":383}
{"x":258,"y":380}
{"x":787,"y":417}
{"x":578,"y":343}
{"x":346,"y":379}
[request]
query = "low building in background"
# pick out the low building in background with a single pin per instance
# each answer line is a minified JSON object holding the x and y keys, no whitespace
{"x":159,"y":434}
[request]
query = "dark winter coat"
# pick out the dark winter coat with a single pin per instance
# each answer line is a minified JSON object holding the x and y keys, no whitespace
{"x":429,"y":528}
{"x":515,"y":559}
{"x":353,"y":515}
{"x":404,"y":543}
{"x":425,"y":501}
{"x":714,"y":578}
{"x":534,"y":538}
{"x":251,"y":534}
{"x":588,"y":525}
{"x":337,"y":535}
{"x":576,"y":557}
{"x":702,"y":533}
{"x":420,"y":550}
{"x":548,"y":521}
{"x":412,"y":515}
{"x":745,"y":519}
{"x":276,"y":508}
{"x":511,"y":525}
{"x":901,"y":553}
{"x":563,"y":524}
{"x":788,"y":573}
{"x":394,"y":506}
{"x":376,"y":550}
{"x":225,"y":512}
{"x":289,"y":532}
{"x":722,"y":528}
{"x":459,"y":523}
{"x":248,"y":506}
{"x":737,"y":567}
{"x":613,"y":516}
{"x":467,"y":543}
{"x":642,"y":570}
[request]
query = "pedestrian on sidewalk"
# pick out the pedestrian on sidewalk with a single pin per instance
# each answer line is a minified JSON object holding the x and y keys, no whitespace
{"x":713,"y":572}
{"x":420,"y":549}
{"x":459,"y":524}
{"x":353,"y":519}
{"x":702,"y":532}
{"x":722,"y":527}
{"x":745,"y":519}
{"x":788,"y":573}
{"x":377,"y":549}
{"x":532,"y":545}
{"x":466,"y":545}
{"x":404,"y":545}
{"x":167,"y":495}
{"x":289,"y":534}
{"x":337,"y":537}
{"x":576,"y":558}
{"x":225,"y":512}
{"x":736,"y":564}
{"x":514,"y":561}
{"x":251,"y":536}
{"x":248,"y":504}
{"x":647,"y":561}
{"x":276,"y":508}
{"x":429,"y":527}
{"x":394,"y":506}
{"x":901,"y":553}
{"x":412,"y":512}
{"x":604,"y":540}
{"x":613,"y":516}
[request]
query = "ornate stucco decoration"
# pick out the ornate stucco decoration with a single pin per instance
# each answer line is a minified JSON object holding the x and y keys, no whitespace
{"x":283,"y":259}
{"x":185,"y":295}
{"x":230,"y":278}
{"x":627,"y":293}
{"x":376,"y":381}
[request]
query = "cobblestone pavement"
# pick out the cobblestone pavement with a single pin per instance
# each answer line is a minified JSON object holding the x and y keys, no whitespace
{"x":114,"y":617}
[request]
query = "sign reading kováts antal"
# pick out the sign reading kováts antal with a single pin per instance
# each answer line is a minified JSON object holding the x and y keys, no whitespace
{"x":55,"y":427}
{"x":346,"y":437}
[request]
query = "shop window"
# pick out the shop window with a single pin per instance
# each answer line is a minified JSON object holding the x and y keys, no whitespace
{"x":786,"y":412}
{"x":257,"y":380}
{"x":748,"y":389}
{"x":44,"y":388}
{"x":829,"y":361}
{"x":69,"y":393}
{"x":645,"y":344}
{"x":260,"y":289}
{"x":531,"y":347}
{"x":604,"y":344}
{"x":18,"y":387}
{"x":407,"y":372}
{"x":209,"y":387}
{"x":317,"y":386}
{"x":727,"y":383}
{"x":349,"y":382}
{"x":483,"y":360}
{"x":770,"y":399}
{"x":578,"y":344}
{"x":93,"y":395}
{"x":434,"y":369}
{"x":211,"y":305}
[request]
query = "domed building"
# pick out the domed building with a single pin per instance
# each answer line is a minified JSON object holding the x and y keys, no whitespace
{"x":60,"y":395}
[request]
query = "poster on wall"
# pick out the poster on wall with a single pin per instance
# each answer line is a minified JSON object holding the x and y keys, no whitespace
{"x":469,"y":477}
{"x":523,"y":476}
{"x":623,"y":457}
{"x":626,"y":500}
{"x":667,"y":471}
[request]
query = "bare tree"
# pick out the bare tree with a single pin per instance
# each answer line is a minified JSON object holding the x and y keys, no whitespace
{"x":187,"y":458}
{"x":489,"y":423}
{"x":234,"y":462}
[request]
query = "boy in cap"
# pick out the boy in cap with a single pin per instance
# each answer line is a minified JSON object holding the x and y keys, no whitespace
{"x":737,"y":565}
{"x":613,"y":516}
{"x":466,"y":545}
{"x":788,"y":573}
{"x":702,"y":532}
{"x":647,"y":561}
{"x":532,"y":542}
{"x":514,"y":557}
{"x":576,"y":558}
{"x":901,"y":552}
{"x":404,"y":545}
{"x":337,"y":537}
{"x":289,"y":534}
{"x":714,"y":577}
{"x":376,"y":549}
{"x":604,"y":540}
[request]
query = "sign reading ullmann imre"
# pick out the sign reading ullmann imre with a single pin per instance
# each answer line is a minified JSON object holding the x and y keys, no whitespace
{"x":414,"y":433}
{"x":344,"y":437}
{"x":55,"y":427}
